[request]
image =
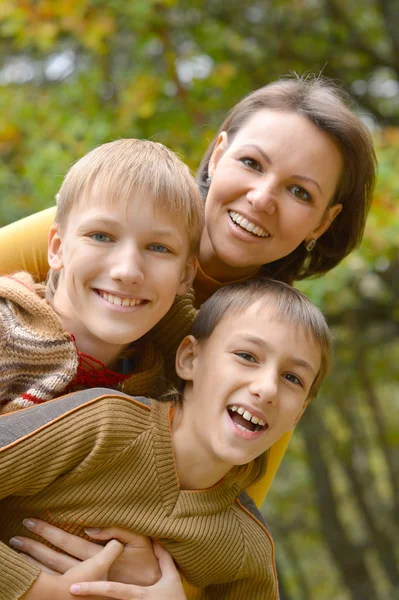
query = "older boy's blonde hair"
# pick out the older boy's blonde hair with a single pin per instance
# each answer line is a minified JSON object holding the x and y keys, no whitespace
{"x":130,"y":167}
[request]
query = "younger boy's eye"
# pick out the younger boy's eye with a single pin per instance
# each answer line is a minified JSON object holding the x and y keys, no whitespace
{"x":100,"y":237}
{"x":300,"y":193}
{"x":159,"y":248}
{"x":293,"y":379}
{"x":251,"y":163}
{"x":246,"y":356}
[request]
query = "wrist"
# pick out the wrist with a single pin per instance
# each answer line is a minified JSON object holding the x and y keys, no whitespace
{"x":43,"y":588}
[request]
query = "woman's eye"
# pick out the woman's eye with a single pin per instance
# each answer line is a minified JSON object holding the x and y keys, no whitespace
{"x":300,"y":193}
{"x":159,"y":248}
{"x":251,"y":163}
{"x":293,"y":379}
{"x":100,"y":237}
{"x":246,"y":356}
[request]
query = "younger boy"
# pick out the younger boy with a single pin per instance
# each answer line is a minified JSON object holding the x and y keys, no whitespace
{"x":123,"y":245}
{"x":176,"y":471}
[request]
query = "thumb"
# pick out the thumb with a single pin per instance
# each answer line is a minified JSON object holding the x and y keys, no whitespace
{"x":123,"y":535}
{"x":166,"y":562}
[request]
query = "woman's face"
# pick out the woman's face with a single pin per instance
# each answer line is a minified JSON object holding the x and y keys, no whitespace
{"x":270,"y":191}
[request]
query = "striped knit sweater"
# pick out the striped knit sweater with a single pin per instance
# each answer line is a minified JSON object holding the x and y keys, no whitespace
{"x":39,"y":360}
{"x":96,"y":459}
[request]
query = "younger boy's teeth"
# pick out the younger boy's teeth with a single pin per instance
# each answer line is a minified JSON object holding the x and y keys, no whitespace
{"x":247,"y":415}
{"x":247,"y":225}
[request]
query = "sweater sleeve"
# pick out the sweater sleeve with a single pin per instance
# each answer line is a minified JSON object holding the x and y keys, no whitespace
{"x":33,"y":453}
{"x":23,"y":245}
{"x":16,"y":574}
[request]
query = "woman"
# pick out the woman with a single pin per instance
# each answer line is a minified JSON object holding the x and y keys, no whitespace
{"x":288,"y":183}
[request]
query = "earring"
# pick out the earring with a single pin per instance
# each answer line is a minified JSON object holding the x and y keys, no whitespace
{"x":208,"y":180}
{"x":310,"y":245}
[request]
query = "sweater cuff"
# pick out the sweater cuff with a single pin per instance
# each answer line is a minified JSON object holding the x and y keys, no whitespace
{"x":17,"y":575}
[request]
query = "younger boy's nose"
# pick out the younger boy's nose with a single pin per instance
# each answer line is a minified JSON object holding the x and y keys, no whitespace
{"x":265,"y":388}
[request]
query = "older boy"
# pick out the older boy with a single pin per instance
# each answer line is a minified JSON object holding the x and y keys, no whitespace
{"x":123,"y":245}
{"x":176,"y":471}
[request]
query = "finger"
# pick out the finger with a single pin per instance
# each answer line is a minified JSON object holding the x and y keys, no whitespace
{"x":35,"y":562}
{"x":67,"y":542}
{"x":123,"y":535}
{"x":108,"y":589}
{"x":102,"y":561}
{"x":45,"y":557}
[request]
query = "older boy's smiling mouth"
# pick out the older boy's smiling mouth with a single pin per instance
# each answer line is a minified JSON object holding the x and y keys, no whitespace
{"x":245,"y":420}
{"x":244,"y":223}
{"x":120,"y":300}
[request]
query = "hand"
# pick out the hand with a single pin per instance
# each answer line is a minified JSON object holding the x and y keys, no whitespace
{"x":48,"y":587}
{"x":137,"y":564}
{"x":169,"y":587}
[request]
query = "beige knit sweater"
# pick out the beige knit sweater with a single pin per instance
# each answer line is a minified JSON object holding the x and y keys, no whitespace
{"x":97,"y":458}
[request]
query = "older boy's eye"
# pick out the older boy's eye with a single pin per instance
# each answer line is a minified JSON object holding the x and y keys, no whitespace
{"x":300,"y":193}
{"x":251,"y":163}
{"x":159,"y":248}
{"x":246,"y":356}
{"x":100,"y":237}
{"x":293,"y":379}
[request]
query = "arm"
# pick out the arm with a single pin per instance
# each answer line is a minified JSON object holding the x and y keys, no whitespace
{"x":23,"y":245}
{"x":32,"y":460}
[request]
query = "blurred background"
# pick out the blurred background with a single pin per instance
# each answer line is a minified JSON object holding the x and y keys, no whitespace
{"x":77,"y":73}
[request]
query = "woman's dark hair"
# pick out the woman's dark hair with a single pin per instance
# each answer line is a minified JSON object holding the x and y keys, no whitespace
{"x":327,"y":106}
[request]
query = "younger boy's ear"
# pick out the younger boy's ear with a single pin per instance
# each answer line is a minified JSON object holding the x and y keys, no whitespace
{"x":185,"y":355}
{"x":301,"y":413}
{"x":54,"y":252}
{"x":188,"y":275}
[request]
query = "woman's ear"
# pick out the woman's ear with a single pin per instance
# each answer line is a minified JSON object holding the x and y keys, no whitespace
{"x":331,"y":213}
{"x":185,"y":358}
{"x":54,"y":252}
{"x":220,"y":148}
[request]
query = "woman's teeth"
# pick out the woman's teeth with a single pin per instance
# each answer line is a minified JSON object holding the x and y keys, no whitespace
{"x":120,"y":301}
{"x":247,"y":225}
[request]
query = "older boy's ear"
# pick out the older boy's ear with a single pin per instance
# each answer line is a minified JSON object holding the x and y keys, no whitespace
{"x":220,"y":148}
{"x":185,"y":355}
{"x":188,"y":275}
{"x":54,"y":252}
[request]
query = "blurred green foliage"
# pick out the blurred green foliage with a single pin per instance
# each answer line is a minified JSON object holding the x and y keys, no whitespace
{"x":77,"y":73}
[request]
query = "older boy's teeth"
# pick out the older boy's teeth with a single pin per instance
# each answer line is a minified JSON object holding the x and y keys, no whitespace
{"x":118,"y":301}
{"x":247,"y":225}
{"x":241,"y":410}
{"x":242,"y":427}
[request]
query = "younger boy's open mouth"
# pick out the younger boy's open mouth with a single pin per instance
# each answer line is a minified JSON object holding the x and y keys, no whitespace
{"x":244,"y":420}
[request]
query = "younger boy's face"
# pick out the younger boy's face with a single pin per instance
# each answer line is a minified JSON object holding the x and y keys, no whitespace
{"x":121,"y":265}
{"x":247,"y":384}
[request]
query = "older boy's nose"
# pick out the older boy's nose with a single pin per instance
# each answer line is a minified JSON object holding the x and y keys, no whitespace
{"x":128,"y":268}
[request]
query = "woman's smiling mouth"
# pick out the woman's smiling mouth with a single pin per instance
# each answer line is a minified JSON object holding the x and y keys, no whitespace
{"x":248,"y":226}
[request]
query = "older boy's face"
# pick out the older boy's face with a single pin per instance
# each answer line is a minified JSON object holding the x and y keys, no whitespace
{"x":248,"y":384}
{"x":121,"y":265}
